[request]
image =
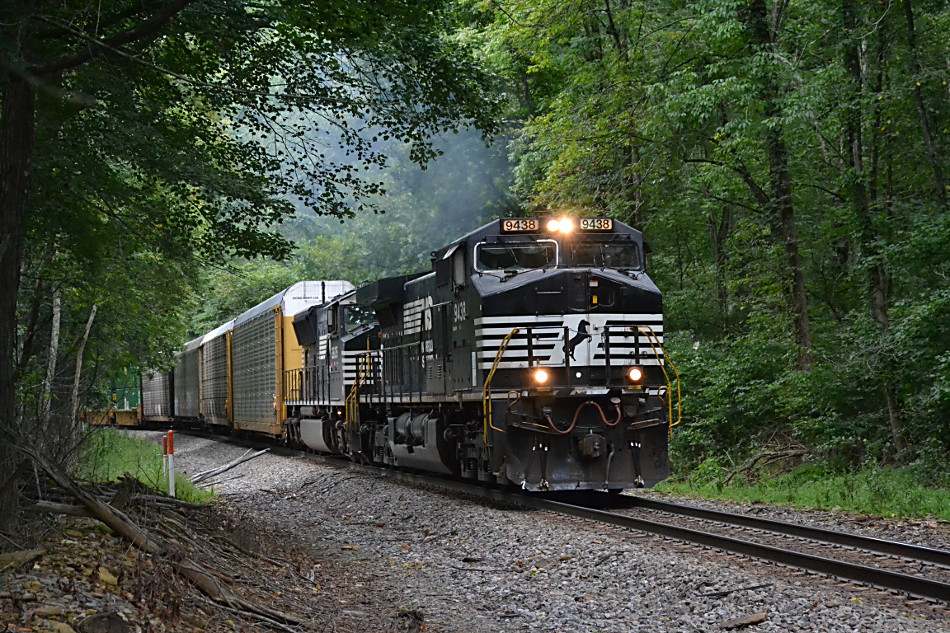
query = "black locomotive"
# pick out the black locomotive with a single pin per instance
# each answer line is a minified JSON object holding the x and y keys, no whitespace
{"x":530,"y":355}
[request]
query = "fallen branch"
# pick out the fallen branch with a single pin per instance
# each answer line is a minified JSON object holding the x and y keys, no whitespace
{"x":16,"y":559}
{"x":166,"y":501}
{"x":218,"y":482}
{"x":744,"y":621}
{"x":50,"y":507}
{"x":124,"y":527}
{"x":769,"y":457}
{"x":208,"y":474}
{"x":274,"y":623}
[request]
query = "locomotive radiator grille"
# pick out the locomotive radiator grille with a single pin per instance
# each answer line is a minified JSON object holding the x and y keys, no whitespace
{"x":599,"y":338}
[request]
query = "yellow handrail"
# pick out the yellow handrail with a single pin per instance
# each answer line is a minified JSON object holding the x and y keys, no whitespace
{"x":352,"y":409}
{"x":651,"y":337}
{"x":486,"y":388}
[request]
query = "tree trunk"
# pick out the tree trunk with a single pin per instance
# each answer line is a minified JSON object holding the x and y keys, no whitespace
{"x":719,"y":231}
{"x":74,"y":398}
{"x":16,"y":149}
{"x":782,"y":201}
{"x":780,"y":209}
{"x":930,"y":144}
{"x":877,"y":282}
{"x":615,"y":32}
{"x":30,"y":331}
{"x":46,"y":394}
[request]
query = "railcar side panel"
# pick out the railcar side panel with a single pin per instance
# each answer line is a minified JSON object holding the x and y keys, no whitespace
{"x":187,"y":383}
{"x":265,"y":348}
{"x":214,"y":377}
{"x":157,"y":403}
{"x":254,"y":362}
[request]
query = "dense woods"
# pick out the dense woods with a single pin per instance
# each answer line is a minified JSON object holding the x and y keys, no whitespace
{"x":142,"y":143}
{"x":787,"y":162}
{"x":786,"y":159}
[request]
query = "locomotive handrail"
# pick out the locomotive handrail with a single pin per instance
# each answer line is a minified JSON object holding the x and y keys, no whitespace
{"x":651,"y":337}
{"x":486,"y":388}
{"x":395,"y":367}
{"x":352,"y":409}
{"x":389,"y":348}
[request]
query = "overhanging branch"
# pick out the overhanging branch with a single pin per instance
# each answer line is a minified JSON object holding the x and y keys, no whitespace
{"x":146,"y":29}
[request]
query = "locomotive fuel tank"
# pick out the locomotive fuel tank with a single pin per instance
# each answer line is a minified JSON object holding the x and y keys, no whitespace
{"x":418,"y":441}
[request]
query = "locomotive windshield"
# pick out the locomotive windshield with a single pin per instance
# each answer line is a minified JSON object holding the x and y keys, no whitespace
{"x":354,"y":316}
{"x":620,"y":255}
{"x":516,"y":255}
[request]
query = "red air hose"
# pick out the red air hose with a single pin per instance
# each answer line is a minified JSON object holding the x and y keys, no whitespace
{"x":578,"y":413}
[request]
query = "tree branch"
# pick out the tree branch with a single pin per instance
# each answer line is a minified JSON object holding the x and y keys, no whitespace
{"x":709,"y":194}
{"x":50,"y":507}
{"x":123,"y":526}
{"x":757,"y":191}
{"x":337,"y":102}
{"x":100,"y":23}
{"x":143,"y":30}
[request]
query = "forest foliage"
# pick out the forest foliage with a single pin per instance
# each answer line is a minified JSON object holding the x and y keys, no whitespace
{"x":145,"y":143}
{"x":786,"y":160}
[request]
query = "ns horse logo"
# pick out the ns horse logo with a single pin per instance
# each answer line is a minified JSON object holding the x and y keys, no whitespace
{"x":582,"y":335}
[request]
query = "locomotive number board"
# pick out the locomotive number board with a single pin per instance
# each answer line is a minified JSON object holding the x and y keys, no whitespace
{"x":596,"y":224}
{"x":515,"y":225}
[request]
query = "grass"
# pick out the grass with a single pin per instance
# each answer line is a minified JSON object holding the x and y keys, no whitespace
{"x":109,"y":455}
{"x":886,"y":492}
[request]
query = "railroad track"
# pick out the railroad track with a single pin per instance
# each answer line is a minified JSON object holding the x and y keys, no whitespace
{"x":859,"y":559}
{"x":878,"y":562}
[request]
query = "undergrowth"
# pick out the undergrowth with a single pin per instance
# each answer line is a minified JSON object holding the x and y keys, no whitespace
{"x":109,"y":455}
{"x":874,"y":490}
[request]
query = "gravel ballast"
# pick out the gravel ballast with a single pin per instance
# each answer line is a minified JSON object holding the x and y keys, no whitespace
{"x":464,"y":566}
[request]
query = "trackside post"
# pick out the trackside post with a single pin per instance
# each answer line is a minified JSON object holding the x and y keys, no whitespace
{"x":171,"y":463}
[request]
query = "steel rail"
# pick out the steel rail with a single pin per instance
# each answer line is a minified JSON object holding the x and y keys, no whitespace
{"x":892,"y":581}
{"x":869,"y":543}
{"x":881,"y":578}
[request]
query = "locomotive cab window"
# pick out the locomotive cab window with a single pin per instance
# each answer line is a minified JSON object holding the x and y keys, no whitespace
{"x":355,"y":316}
{"x":515,"y":255}
{"x":459,"y":271}
{"x":599,"y":254}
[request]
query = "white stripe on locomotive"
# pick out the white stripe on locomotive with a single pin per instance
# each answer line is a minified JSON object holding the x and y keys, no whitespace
{"x":590,"y":337}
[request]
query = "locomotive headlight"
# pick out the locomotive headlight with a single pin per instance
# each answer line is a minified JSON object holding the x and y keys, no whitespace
{"x":634,"y":374}
{"x":564,"y":225}
{"x":540,"y":376}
